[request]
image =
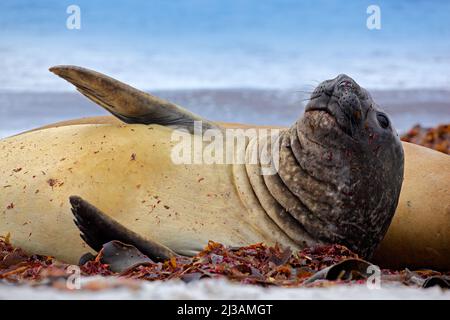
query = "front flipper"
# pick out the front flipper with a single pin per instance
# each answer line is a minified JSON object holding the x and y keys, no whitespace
{"x":97,"y":229}
{"x":127,"y":103}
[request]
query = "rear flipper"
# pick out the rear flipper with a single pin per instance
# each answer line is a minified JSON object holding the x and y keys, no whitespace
{"x":97,"y":229}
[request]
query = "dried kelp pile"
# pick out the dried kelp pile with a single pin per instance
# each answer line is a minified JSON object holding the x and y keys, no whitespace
{"x":256,"y":264}
{"x":437,"y":138}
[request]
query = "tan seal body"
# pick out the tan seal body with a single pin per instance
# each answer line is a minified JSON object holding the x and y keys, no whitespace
{"x":419,"y":235}
{"x":127,"y":172}
{"x":135,"y":192}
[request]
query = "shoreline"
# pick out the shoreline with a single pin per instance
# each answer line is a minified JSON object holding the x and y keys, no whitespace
{"x":20,"y":111}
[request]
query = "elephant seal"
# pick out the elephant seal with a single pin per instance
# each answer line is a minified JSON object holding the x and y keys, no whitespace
{"x":339,"y":178}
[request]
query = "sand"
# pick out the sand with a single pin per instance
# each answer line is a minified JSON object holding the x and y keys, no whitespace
{"x":213,"y":289}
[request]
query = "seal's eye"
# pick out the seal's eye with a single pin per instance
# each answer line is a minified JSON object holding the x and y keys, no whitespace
{"x":383,"y":120}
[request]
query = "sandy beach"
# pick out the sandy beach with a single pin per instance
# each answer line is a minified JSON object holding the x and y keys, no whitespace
{"x":117,"y":289}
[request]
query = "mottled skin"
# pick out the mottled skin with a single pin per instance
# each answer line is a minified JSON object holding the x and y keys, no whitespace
{"x":340,"y":170}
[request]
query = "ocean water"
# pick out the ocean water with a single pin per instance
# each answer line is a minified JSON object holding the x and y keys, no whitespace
{"x":22,"y":111}
{"x":234,"y":60}
{"x":186,"y":44}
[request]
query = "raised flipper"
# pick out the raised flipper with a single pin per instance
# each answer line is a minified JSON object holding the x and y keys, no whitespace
{"x":127,"y":103}
{"x":97,"y":229}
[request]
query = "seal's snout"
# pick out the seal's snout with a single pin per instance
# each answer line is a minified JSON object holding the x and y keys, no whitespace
{"x":347,"y":91}
{"x":344,"y":85}
{"x":344,"y":100}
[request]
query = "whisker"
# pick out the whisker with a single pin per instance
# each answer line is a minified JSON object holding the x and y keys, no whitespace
{"x":310,"y":98}
{"x":302,"y":91}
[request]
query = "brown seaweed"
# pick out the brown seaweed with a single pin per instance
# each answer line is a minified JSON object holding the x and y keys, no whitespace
{"x":256,"y":264}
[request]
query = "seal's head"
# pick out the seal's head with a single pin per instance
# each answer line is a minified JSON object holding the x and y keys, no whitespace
{"x":353,"y":109}
{"x":348,"y":147}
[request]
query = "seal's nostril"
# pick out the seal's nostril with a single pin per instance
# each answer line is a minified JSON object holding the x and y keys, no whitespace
{"x":346,"y":84}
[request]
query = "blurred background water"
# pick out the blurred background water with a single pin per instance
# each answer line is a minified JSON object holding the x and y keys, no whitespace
{"x":241,"y":60}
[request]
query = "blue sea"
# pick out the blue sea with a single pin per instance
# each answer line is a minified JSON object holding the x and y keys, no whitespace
{"x":160,"y":44}
{"x":229,"y":48}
